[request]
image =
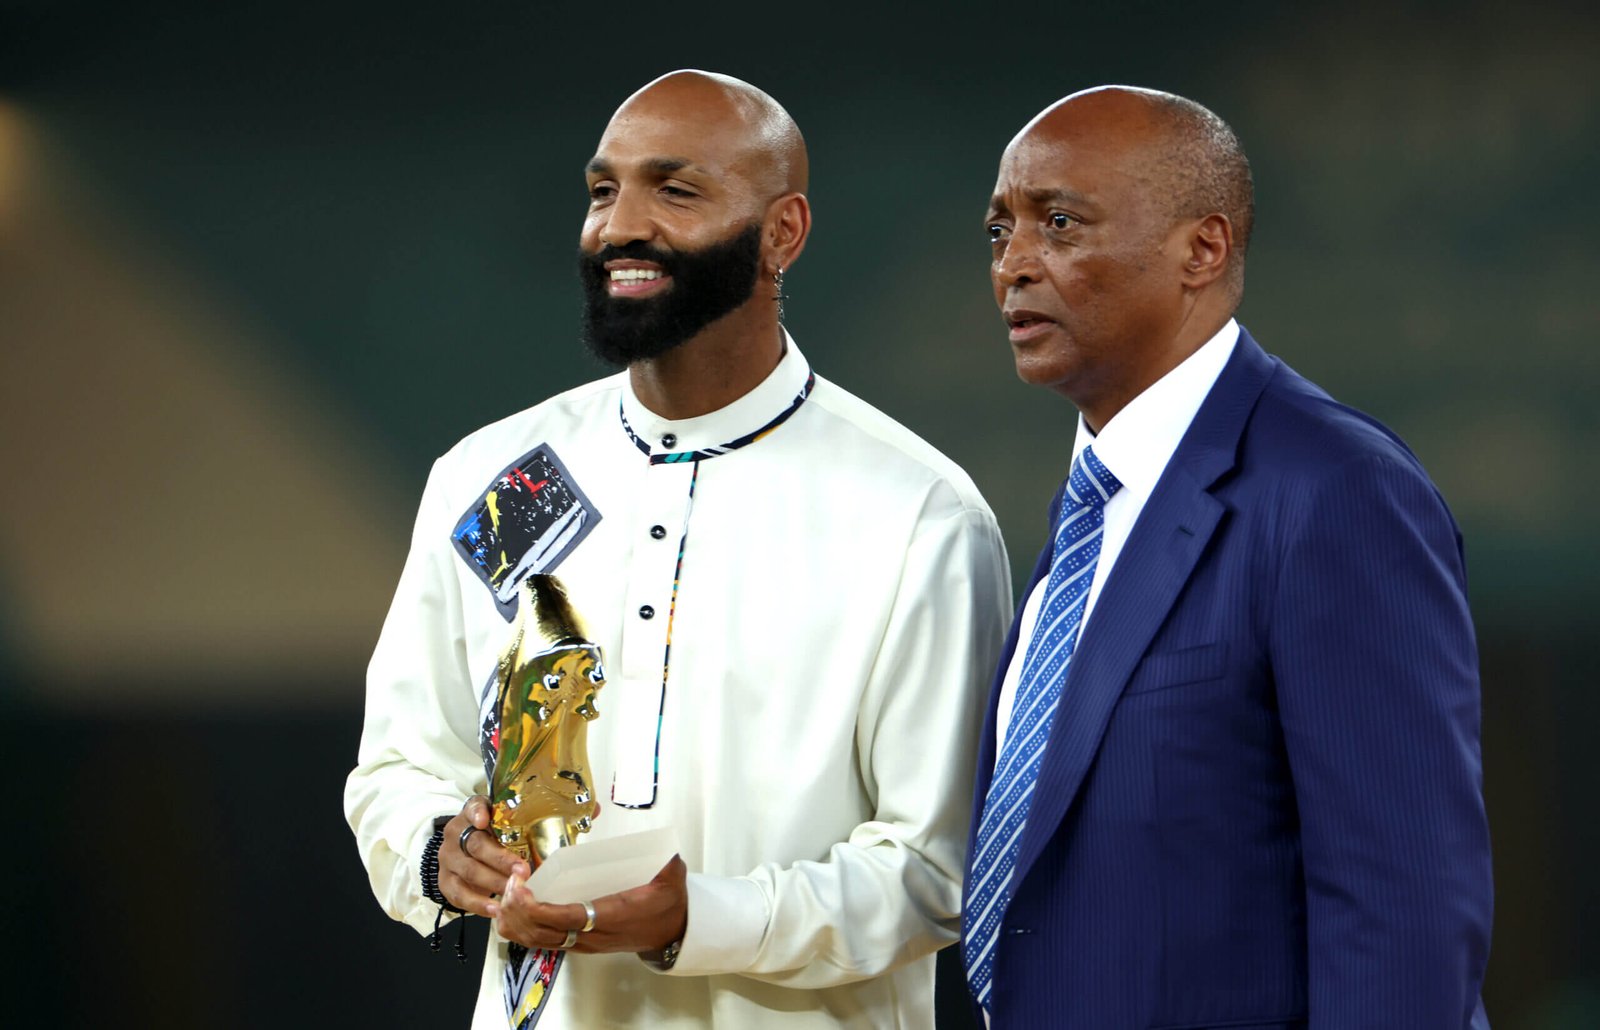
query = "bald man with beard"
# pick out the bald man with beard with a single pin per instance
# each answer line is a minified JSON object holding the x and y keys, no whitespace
{"x":832,"y":589}
{"x":1230,"y":773}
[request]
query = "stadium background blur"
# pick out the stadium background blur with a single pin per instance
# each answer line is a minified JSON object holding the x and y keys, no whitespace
{"x":259,"y":264}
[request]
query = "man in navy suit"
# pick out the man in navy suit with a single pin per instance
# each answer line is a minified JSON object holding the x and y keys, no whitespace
{"x":1230,"y":773}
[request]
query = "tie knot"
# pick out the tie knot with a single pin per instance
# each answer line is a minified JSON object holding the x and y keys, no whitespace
{"x":1091,"y":483}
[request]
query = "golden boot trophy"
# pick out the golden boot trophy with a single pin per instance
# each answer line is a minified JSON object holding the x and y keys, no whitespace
{"x":544,"y":692}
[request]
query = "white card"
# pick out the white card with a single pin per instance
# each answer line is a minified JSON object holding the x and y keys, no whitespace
{"x":593,"y":869}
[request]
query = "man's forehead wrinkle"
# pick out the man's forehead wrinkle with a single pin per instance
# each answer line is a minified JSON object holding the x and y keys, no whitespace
{"x":677,"y":129}
{"x":662,"y":140}
{"x":1046,"y":194}
{"x":668,"y":165}
{"x":1037,"y":196}
{"x":605,"y":163}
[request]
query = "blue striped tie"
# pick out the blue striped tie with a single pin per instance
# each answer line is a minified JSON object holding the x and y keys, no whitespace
{"x":1055,"y":637}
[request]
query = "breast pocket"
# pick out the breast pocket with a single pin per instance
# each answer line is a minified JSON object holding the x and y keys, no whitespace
{"x":1165,"y":670}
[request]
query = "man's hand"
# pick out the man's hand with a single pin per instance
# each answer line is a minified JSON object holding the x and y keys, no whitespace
{"x":645,"y":918}
{"x":470,"y":877}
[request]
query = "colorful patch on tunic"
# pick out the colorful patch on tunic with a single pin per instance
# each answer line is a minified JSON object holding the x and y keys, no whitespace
{"x":529,"y":977}
{"x":526,"y":521}
{"x":489,"y":725}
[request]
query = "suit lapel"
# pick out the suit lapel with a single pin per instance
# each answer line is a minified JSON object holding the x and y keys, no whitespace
{"x":1167,"y":541}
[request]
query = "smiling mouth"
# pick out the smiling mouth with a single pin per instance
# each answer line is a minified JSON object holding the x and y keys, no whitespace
{"x":634,"y":282}
{"x":624,"y":275}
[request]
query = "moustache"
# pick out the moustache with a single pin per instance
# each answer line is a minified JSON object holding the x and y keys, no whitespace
{"x":638,"y":250}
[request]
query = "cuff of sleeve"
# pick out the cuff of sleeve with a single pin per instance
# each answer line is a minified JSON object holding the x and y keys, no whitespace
{"x":728,"y":917}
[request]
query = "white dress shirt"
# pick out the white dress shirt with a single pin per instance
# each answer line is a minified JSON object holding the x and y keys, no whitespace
{"x":1135,"y":445}
{"x":843,"y":595}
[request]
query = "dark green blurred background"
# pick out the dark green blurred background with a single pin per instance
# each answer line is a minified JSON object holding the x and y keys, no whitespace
{"x":259,"y":264}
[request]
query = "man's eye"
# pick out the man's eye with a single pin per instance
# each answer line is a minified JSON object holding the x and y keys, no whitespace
{"x":997,"y":232}
{"x":673,"y":191}
{"x":1059,"y":220}
{"x":600,"y":191}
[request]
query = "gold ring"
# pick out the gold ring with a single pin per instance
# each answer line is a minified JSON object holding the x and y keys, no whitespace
{"x":588,"y":910}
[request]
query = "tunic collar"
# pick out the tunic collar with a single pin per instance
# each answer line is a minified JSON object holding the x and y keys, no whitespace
{"x":746,"y":420}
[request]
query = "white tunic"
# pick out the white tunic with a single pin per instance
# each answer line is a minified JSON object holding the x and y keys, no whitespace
{"x":840,"y":605}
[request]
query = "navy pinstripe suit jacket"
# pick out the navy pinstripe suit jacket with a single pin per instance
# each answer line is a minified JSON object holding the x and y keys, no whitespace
{"x":1261,"y":803}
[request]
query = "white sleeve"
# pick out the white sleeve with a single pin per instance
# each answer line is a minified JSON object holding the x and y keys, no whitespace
{"x":419,"y":752}
{"x":891,"y":892}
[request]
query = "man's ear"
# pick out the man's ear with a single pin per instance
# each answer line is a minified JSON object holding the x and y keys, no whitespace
{"x":784,"y":233}
{"x":1208,"y":251}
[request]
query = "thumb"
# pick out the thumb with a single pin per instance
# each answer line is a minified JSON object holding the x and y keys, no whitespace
{"x":673,"y":872}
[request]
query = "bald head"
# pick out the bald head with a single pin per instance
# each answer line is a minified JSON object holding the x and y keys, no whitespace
{"x":765,"y":142}
{"x":1117,"y":227}
{"x":1181,"y":150}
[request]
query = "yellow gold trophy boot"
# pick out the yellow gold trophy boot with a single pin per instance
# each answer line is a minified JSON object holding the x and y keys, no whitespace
{"x":536,"y":753}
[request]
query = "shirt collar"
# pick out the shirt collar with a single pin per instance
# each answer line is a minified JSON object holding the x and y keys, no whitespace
{"x":1140,"y":439}
{"x":743,"y":422}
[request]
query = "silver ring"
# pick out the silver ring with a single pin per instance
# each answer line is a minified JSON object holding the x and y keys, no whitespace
{"x":469,"y":831}
{"x":572,"y":938}
{"x":588,"y":910}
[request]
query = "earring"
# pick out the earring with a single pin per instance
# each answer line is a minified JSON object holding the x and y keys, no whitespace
{"x":778,"y":294}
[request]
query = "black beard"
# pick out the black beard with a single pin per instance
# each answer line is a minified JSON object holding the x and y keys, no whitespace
{"x":706,"y":284}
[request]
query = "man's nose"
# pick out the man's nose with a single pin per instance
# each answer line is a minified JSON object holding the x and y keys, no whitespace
{"x":1018,"y":263}
{"x":627,"y":220}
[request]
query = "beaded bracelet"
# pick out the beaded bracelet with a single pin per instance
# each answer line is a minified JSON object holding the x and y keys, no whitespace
{"x":430,"y":865}
{"x":431,"y":891}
